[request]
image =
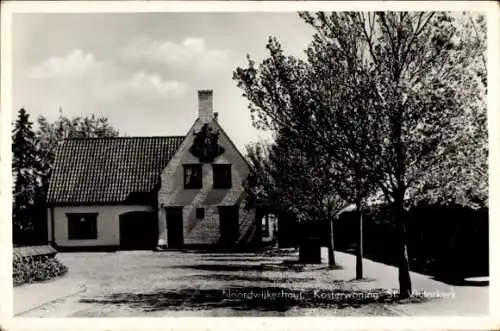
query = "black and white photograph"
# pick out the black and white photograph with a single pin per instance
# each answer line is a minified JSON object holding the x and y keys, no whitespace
{"x":223,"y":162}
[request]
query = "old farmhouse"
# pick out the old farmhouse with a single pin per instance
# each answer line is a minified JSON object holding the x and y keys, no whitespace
{"x":149,"y":192}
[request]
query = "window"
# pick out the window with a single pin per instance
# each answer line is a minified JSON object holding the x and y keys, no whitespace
{"x":192,"y":176}
{"x":222,"y":175}
{"x":200,"y":213}
{"x":82,"y":226}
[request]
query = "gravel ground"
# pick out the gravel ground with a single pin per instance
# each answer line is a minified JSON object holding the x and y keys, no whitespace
{"x":145,"y":283}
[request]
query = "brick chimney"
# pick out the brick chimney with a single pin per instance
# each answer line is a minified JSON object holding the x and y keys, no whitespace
{"x":205,"y":106}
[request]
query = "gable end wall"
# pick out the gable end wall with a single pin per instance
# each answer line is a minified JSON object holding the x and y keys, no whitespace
{"x":172,"y":193}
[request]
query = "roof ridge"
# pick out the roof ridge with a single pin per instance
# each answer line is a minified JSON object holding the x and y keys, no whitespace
{"x":123,"y":137}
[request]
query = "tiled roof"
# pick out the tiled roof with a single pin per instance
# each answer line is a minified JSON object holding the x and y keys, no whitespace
{"x":109,"y":170}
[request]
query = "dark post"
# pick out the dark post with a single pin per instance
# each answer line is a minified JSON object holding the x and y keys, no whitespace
{"x":359,"y":253}
{"x":331,"y":249}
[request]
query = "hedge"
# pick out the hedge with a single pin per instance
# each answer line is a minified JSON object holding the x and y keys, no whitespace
{"x":446,"y":242}
{"x":443,"y":241}
{"x":31,"y":269}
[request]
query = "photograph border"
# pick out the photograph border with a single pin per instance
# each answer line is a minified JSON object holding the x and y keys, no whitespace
{"x":8,"y":322}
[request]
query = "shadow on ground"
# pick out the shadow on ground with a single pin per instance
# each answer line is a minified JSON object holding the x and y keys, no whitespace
{"x":461,"y":281}
{"x":238,"y":259}
{"x":262,"y":254}
{"x":227,"y":255}
{"x":277,"y":299}
{"x":248,"y":278}
{"x":221,"y":267}
{"x":276,"y":267}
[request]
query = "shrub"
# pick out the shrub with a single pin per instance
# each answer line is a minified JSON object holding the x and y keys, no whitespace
{"x":36,"y":269}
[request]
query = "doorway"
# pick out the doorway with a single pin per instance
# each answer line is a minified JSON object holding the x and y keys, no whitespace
{"x":138,"y":230}
{"x":175,"y":231}
{"x":228,"y":225}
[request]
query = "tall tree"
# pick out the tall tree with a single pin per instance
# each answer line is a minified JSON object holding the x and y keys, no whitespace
{"x":466,"y":182}
{"x":285,"y":176}
{"x":290,"y":94}
{"x":24,"y":174}
{"x":398,"y":76}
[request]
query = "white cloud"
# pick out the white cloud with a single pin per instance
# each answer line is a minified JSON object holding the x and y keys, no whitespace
{"x":191,"y":53}
{"x":79,"y":74}
{"x":153,"y":85}
{"x":75,"y":64}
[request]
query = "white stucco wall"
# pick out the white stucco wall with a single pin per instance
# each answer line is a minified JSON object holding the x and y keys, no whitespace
{"x":108,"y":224}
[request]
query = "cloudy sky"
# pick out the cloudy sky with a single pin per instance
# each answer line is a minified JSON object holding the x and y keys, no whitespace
{"x":143,"y":70}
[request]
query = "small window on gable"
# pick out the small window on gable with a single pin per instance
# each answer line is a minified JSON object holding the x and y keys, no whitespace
{"x":222,"y":175}
{"x":200,"y":213}
{"x":192,"y":176}
{"x":82,"y":225}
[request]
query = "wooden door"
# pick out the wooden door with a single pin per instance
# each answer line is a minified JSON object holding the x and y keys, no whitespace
{"x":175,"y":232}
{"x":138,"y":230}
{"x":228,"y":225}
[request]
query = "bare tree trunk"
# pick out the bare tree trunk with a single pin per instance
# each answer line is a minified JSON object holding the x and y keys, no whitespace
{"x":359,"y":248}
{"x":331,"y":247}
{"x":398,"y":204}
{"x":405,"y":288}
